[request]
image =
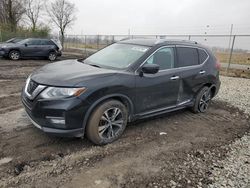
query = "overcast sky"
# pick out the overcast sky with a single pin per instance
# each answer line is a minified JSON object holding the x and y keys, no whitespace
{"x":161,"y":16}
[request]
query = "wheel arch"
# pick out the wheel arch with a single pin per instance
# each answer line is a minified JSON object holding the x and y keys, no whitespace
{"x":119,"y":97}
{"x":14,"y":49}
{"x":51,"y":51}
{"x":212,"y":87}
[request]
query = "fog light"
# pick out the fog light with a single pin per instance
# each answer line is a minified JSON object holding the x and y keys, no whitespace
{"x":56,"y":120}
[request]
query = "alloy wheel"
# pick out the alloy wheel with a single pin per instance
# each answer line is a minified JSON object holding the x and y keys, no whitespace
{"x":52,"y":56}
{"x":110,"y":123}
{"x":204,"y":101}
{"x":14,"y":55}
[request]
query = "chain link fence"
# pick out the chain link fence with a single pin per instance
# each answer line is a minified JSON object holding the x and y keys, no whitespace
{"x":229,"y":49}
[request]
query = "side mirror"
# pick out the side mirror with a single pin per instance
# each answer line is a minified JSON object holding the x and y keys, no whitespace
{"x":25,"y":44}
{"x":150,"y":68}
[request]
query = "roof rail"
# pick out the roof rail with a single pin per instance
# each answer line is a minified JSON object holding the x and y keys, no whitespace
{"x":166,"y":40}
{"x":180,"y":40}
{"x":191,"y":41}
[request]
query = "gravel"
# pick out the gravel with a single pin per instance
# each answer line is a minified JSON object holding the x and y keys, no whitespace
{"x":235,"y":168}
{"x":235,"y":91}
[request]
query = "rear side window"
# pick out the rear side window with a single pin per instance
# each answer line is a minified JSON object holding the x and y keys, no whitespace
{"x":187,"y":56}
{"x":47,"y":42}
{"x":34,"y":42}
{"x":202,"y":55}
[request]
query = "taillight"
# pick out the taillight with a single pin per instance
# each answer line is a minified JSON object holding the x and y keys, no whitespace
{"x":217,"y":64}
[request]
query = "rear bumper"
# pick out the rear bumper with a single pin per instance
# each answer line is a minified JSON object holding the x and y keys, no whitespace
{"x":217,"y":87}
{"x":59,"y":53}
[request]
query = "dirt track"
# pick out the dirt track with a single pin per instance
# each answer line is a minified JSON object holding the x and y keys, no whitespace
{"x":184,"y":156}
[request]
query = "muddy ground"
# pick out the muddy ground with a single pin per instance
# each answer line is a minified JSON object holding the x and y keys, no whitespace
{"x":179,"y":149}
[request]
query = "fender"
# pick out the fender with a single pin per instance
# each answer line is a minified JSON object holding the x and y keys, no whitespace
{"x":92,"y":107}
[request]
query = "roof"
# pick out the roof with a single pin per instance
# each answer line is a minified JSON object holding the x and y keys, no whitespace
{"x":153,"y":42}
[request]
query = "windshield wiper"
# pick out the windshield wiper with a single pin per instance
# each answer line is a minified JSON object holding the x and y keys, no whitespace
{"x":94,"y":65}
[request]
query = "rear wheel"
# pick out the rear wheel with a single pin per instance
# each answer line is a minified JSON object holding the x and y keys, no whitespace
{"x":107,"y":122}
{"x":52,"y":56}
{"x":202,"y":100}
{"x":14,"y":55}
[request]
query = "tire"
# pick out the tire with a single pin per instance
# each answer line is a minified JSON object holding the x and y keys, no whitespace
{"x":107,"y":122}
{"x":14,"y":55}
{"x":202,"y":100}
{"x":52,"y":56}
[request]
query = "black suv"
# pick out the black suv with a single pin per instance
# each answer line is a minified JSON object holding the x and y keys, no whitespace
{"x":126,"y":81}
{"x":31,"y":47}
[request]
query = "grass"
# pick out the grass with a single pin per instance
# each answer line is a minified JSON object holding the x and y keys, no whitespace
{"x":237,"y":58}
{"x":79,"y":45}
{"x":235,"y":73}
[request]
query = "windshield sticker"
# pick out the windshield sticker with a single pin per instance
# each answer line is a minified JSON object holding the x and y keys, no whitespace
{"x":140,"y":49}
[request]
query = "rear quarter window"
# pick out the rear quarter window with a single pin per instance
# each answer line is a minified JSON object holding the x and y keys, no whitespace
{"x":202,"y":55}
{"x":187,"y":56}
{"x":47,"y":42}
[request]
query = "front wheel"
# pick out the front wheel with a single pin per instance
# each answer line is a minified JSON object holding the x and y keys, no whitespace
{"x":202,"y":100}
{"x":107,"y":122}
{"x":52,"y":56}
{"x":14,"y":55}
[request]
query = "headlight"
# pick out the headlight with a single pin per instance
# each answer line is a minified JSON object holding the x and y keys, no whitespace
{"x":56,"y":92}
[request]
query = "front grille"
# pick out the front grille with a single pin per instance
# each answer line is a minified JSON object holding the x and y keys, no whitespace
{"x":27,"y":102}
{"x":32,"y":86}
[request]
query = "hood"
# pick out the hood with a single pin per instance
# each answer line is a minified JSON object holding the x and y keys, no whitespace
{"x":5,"y":44}
{"x":68,"y":73}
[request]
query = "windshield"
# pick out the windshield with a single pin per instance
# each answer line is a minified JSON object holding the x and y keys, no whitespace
{"x":14,"y":40}
{"x":117,"y":55}
{"x":23,"y":41}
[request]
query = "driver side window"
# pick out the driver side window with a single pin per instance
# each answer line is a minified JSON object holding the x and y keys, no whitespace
{"x":163,"y":57}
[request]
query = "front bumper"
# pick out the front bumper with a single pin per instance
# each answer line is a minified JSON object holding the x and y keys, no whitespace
{"x":72,"y":110}
{"x":58,"y":132}
{"x":2,"y":52}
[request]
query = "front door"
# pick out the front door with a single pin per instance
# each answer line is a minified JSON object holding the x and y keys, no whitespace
{"x":32,"y":48}
{"x":158,"y":91}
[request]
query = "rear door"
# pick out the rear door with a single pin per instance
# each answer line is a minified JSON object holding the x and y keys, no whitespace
{"x":154,"y":92}
{"x":47,"y":46}
{"x":193,"y":74}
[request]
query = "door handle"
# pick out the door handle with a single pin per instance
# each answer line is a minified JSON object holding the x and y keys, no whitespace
{"x":202,"y":72}
{"x":174,"y":77}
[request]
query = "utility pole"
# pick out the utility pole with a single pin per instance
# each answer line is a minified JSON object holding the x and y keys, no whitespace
{"x":207,"y":27}
{"x":129,"y":32}
{"x":229,"y":45}
{"x":231,"y":32}
{"x":231,"y":53}
{"x":1,"y":39}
